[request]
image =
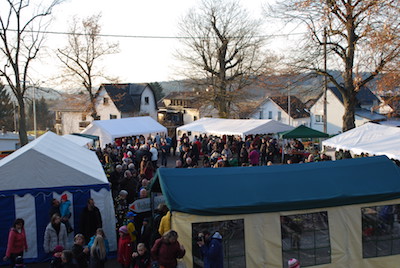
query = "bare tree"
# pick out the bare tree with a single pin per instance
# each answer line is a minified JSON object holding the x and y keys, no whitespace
{"x":362,"y":37}
{"x":82,"y":55}
{"x":22,"y":34}
{"x":222,"y":51}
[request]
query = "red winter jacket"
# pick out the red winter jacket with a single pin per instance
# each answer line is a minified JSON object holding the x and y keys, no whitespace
{"x":16,"y":242}
{"x":167,"y":253}
{"x":124,"y":250}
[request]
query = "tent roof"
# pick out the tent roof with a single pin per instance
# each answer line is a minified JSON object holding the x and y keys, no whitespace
{"x":50,"y":161}
{"x":92,"y":137}
{"x":225,"y":191}
{"x":369,"y":138}
{"x":108,"y":130}
{"x":242,"y":127}
{"x":81,"y":141}
{"x":303,"y":132}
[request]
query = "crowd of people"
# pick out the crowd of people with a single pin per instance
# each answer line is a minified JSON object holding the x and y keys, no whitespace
{"x":130,"y":164}
{"x":139,"y":246}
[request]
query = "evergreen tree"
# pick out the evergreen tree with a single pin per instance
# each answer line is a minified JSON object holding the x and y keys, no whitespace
{"x":158,"y":90}
{"x":44,"y":118}
{"x":6,"y":110}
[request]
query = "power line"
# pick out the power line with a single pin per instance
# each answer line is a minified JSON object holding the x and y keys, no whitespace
{"x":153,"y":36}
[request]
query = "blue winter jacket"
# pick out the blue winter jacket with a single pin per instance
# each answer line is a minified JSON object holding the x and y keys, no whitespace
{"x":213,"y":253}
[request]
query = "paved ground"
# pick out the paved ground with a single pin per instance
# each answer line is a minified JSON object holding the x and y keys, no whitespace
{"x":109,"y":264}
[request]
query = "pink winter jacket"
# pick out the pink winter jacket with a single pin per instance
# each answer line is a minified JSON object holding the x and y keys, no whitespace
{"x":16,"y":242}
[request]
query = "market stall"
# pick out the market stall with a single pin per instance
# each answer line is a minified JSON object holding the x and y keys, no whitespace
{"x":238,"y":127}
{"x":109,"y":130}
{"x":369,"y":138}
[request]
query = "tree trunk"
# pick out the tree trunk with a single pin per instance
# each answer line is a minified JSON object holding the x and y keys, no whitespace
{"x":222,"y":103}
{"x":23,"y":135}
{"x":93,"y":108}
{"x":349,"y":102}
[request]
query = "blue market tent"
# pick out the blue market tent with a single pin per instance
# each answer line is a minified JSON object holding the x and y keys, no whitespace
{"x":45,"y":169}
{"x":244,"y":190}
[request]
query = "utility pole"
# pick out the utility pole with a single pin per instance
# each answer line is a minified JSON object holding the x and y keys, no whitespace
{"x":34,"y":111}
{"x":289,"y":104}
{"x":325,"y":85}
{"x":15,"y":117}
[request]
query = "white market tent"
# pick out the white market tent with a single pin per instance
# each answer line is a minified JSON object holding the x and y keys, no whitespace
{"x":369,"y":138}
{"x":108,"y":130}
{"x":81,"y":141}
{"x":239,"y":127}
{"x":45,"y":169}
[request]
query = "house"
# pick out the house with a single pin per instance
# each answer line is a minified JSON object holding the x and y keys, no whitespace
{"x":276,"y":108}
{"x":72,"y":113}
{"x":116,"y":101}
{"x":390,"y":105}
{"x":184,"y":107}
{"x":113,"y":101}
{"x":335,"y":110}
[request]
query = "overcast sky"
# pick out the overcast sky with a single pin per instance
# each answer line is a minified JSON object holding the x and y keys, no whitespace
{"x":140,"y":59}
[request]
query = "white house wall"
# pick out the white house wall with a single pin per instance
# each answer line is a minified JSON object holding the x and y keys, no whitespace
{"x":335,"y":112}
{"x":106,"y":110}
{"x":190,"y":115}
{"x":70,"y":122}
{"x":150,"y":107}
{"x":271,"y":107}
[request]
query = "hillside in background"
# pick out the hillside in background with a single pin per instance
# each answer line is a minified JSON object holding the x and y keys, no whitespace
{"x":305,"y":87}
{"x":46,"y":93}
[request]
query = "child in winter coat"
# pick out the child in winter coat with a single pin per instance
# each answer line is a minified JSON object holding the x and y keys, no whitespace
{"x":124,"y":247}
{"x":100,"y":232}
{"x":56,"y":261}
{"x":130,"y":225}
{"x":66,"y":212}
{"x":141,"y":258}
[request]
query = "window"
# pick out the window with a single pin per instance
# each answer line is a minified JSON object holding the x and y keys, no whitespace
{"x":105,"y":101}
{"x":279,"y":116}
{"x":261,"y":116}
{"x":306,"y":238}
{"x":318,"y":118}
{"x":232,"y":232}
{"x":83,"y":117}
{"x":269,"y":114}
{"x":380,"y":231}
{"x":113,"y":116}
{"x":146,"y":100}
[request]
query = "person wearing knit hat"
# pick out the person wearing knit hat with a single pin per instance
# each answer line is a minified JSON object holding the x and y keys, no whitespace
{"x":124,"y":247}
{"x":123,"y":229}
{"x":56,"y":260}
{"x":130,"y":225}
{"x":65,"y":212}
{"x":293,"y":263}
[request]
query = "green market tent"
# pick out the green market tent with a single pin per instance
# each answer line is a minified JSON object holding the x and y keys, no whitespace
{"x":258,"y":198}
{"x":303,"y":132}
{"x":244,"y":190}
